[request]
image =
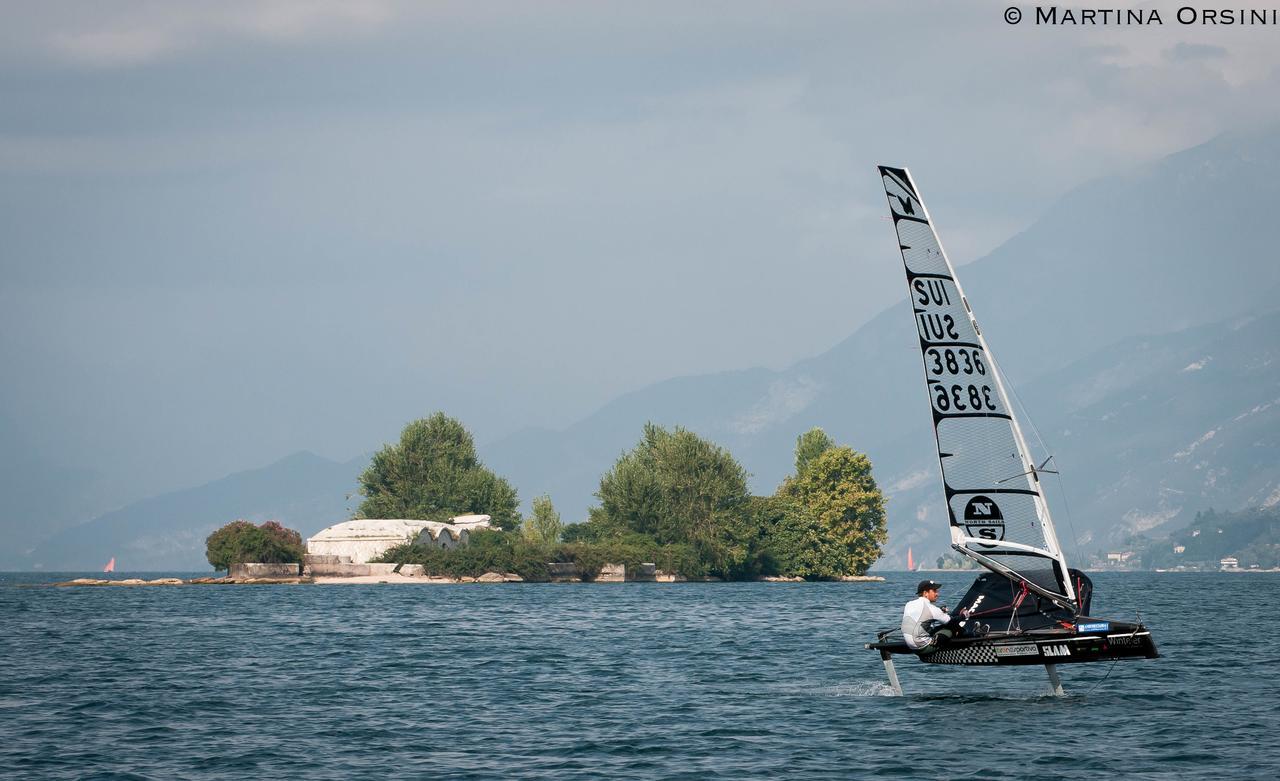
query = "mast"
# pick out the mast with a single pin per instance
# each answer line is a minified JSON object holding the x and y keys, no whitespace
{"x":1042,"y":505}
{"x":975,"y":431}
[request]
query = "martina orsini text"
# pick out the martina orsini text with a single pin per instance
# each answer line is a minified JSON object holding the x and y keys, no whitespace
{"x":1186,"y":15}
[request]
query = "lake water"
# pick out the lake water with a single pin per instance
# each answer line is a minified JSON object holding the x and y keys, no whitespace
{"x":690,"y":681}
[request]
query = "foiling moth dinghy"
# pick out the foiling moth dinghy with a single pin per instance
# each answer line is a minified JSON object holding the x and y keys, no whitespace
{"x":1029,"y":607}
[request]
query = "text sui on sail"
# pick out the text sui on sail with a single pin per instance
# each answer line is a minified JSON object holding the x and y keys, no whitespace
{"x":957,"y":370}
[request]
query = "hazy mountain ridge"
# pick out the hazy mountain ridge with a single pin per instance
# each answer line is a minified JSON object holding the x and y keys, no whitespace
{"x":1127,"y":282}
{"x":1197,"y":431}
{"x":41,"y":496}
{"x":304,"y":491}
{"x":1146,"y":432}
{"x":1222,"y":378}
{"x":1251,"y":536}
{"x":1174,"y":246}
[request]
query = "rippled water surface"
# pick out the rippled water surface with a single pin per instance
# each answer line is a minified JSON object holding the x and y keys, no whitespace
{"x":694,"y":681}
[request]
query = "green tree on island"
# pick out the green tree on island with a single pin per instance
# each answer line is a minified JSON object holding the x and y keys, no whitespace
{"x":240,"y":541}
{"x":679,"y":489}
{"x":433,"y":473}
{"x":543,"y":526}
{"x":799,"y":544}
{"x":810,"y":445}
{"x":675,"y":500}
{"x":839,"y":510}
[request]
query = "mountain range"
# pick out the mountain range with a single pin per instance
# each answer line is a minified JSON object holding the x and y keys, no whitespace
{"x":1136,"y":319}
{"x":1089,"y":312}
{"x":167,"y":533}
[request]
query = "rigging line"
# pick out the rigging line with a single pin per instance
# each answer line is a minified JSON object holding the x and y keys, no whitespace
{"x":1013,"y":389}
{"x":1026,"y":415}
{"x":1114,"y":662}
{"x":1066,"y":508}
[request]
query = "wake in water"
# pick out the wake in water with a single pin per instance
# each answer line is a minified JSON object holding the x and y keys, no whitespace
{"x":860,"y":689}
{"x":883,"y":689}
{"x":851,"y":689}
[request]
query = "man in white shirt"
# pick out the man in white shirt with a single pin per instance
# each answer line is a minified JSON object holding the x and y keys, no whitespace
{"x":919,"y":612}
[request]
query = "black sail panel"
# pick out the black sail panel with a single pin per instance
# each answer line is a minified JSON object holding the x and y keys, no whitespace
{"x":995,"y":506}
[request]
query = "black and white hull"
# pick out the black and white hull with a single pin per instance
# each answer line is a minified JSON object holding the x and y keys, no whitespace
{"x":1060,"y":646}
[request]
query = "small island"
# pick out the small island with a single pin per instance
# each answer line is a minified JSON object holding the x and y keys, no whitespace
{"x":675,"y":508}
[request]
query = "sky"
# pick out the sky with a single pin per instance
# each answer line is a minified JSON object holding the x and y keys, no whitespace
{"x":236,"y":230}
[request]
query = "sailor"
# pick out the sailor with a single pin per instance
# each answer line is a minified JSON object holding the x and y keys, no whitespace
{"x":921,"y":619}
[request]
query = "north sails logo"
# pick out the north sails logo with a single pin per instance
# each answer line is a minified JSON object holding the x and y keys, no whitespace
{"x":983,"y":509}
{"x":983,"y":519}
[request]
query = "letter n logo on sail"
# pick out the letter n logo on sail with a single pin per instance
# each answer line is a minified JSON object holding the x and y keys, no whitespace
{"x":983,"y":519}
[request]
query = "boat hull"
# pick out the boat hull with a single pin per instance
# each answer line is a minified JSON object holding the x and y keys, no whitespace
{"x":1033,"y":648}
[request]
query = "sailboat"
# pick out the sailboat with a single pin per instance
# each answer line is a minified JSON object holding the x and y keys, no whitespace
{"x":911,"y":562}
{"x":111,"y":565}
{"x":1029,"y":607}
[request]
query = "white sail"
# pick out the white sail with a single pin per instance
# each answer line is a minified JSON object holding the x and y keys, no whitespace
{"x":997,"y":510}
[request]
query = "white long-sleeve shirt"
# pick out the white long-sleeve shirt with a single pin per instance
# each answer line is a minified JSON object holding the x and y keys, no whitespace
{"x":914,"y":615}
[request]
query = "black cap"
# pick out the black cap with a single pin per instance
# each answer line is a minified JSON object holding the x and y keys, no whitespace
{"x":925,"y":585}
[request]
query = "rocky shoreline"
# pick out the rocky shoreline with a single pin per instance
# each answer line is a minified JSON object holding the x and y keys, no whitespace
{"x":181,"y":582}
{"x":398,"y":578}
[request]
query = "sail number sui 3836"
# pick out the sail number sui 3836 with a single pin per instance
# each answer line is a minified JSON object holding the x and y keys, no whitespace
{"x":963,"y":398}
{"x":957,"y":372}
{"x":955,"y":397}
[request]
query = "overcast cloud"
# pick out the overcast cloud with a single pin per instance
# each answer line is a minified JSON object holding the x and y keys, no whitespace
{"x":235,"y":230}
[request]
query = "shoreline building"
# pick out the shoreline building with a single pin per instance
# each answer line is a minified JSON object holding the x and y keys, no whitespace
{"x":358,"y":541}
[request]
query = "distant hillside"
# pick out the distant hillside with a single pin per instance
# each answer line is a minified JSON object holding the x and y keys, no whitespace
{"x":1251,"y":536}
{"x":41,"y":497}
{"x":303,"y":491}
{"x":1147,"y":433}
{"x":1158,"y":429}
{"x":1172,"y":247}
{"x":1132,"y":318}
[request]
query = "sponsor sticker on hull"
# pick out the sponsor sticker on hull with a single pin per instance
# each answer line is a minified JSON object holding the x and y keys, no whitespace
{"x":1025,"y":649}
{"x":1055,"y":650}
{"x":1130,"y":640}
{"x":1095,"y":626}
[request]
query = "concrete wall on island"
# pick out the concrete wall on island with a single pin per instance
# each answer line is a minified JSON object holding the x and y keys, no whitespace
{"x":328,"y":566}
{"x":645,"y":573}
{"x":364,"y":539}
{"x":256,"y":570}
{"x":567,"y":571}
{"x":564,"y":571}
{"x":612,"y":573}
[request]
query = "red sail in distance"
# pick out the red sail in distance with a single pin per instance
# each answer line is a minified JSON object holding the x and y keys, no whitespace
{"x":911,"y":564}
{"x":111,"y":565}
